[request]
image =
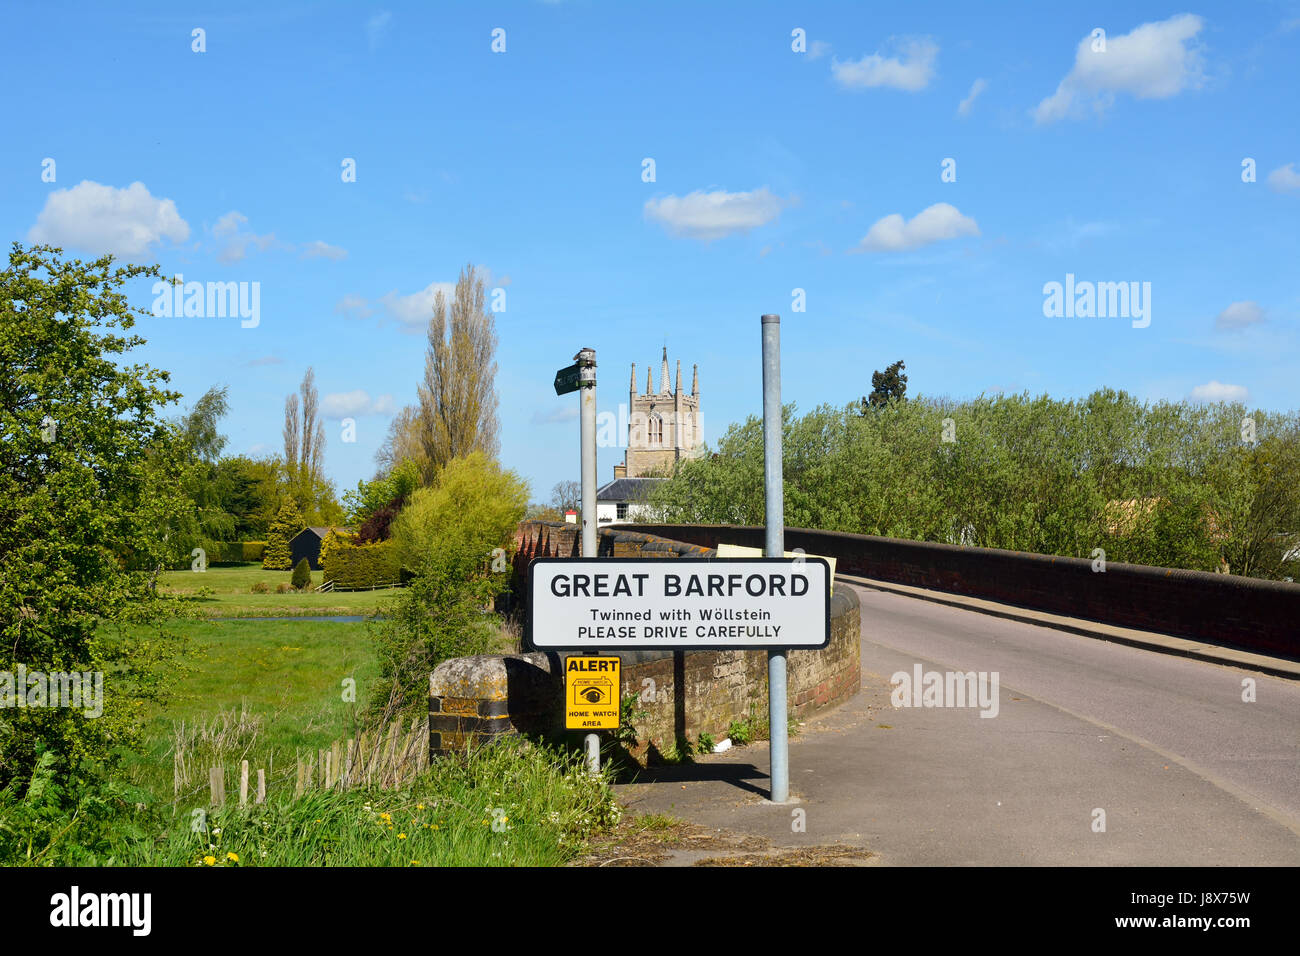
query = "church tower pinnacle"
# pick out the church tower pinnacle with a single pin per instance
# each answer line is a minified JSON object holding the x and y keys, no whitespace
{"x":663,"y":423}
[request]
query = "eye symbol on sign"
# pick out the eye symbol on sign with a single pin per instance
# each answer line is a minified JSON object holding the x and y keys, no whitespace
{"x":593,"y":690}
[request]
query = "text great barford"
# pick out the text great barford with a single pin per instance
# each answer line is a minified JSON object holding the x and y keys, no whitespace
{"x":701,"y":585}
{"x":742,"y":603}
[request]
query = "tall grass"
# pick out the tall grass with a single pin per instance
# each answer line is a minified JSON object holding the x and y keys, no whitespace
{"x":510,"y":804}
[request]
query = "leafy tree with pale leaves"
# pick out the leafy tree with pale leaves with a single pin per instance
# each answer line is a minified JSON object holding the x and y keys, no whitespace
{"x":288,"y":522}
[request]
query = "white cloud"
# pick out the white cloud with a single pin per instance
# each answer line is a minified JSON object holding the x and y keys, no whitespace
{"x":1284,"y":179}
{"x":354,"y":403}
{"x":976,"y":88}
{"x":1239,"y":315}
{"x":937,"y":222}
{"x":416,"y":309}
{"x":353,"y":306}
{"x":1214,"y":391}
{"x":702,"y":215}
{"x":818,"y":49}
{"x":377,"y":27}
{"x":322,"y":250}
{"x":236,"y":243}
{"x":228,"y":225}
{"x":911,"y":70}
{"x":1154,"y":61}
{"x":103,"y":219}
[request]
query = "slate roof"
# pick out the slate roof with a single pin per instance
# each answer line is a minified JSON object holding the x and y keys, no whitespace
{"x":626,"y":489}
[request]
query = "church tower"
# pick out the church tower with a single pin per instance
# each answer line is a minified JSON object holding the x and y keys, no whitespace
{"x":663,"y":424}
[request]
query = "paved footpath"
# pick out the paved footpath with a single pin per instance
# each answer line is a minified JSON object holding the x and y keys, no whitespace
{"x":1186,"y":772}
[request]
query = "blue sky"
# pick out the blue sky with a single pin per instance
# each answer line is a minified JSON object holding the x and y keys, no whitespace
{"x":774,"y":170}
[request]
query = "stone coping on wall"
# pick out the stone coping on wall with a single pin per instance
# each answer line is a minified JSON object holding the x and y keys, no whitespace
{"x":1252,"y":614}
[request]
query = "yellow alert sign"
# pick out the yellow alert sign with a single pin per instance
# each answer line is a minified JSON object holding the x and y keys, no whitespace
{"x":591,"y":693}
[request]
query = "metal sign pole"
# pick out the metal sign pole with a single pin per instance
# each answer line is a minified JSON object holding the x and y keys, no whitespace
{"x":774,"y":547}
{"x":586,"y":359}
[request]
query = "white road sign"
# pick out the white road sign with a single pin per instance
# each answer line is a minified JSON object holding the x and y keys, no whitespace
{"x":704,"y":603}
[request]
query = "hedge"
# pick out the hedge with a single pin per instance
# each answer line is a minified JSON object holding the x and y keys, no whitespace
{"x":352,"y":566}
{"x":225,"y":552}
{"x":234,"y":552}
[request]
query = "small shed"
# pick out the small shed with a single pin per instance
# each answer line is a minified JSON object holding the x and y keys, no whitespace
{"x":306,"y":544}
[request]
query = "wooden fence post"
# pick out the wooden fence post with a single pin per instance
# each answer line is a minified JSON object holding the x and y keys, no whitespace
{"x":217,"y":786}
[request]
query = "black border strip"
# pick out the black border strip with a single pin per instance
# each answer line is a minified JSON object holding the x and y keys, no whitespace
{"x":614,"y":646}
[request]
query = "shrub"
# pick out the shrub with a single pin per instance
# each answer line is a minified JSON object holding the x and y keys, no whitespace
{"x":443,"y":613}
{"x":260,"y":588}
{"x":301,"y":575}
{"x":474,"y":505}
{"x":288,"y":522}
{"x":253,"y":550}
{"x":282,"y":588}
{"x":333,"y":540}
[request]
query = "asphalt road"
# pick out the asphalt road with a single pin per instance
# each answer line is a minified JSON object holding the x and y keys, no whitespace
{"x":1185,"y":771}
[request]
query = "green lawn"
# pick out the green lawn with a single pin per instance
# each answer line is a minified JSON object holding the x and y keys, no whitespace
{"x":268,"y":692}
{"x":232,"y":596}
{"x":255,"y":690}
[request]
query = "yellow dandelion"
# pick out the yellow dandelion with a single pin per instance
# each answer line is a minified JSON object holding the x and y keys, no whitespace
{"x":401,"y":836}
{"x":415,"y":863}
{"x":209,"y":860}
{"x":233,"y":856}
{"x":419,"y":806}
{"x":385,"y":817}
{"x":435,"y":826}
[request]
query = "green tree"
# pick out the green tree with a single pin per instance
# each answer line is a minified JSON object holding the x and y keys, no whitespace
{"x":251,"y":491}
{"x":458,"y":399}
{"x":91,"y":481}
{"x":887,"y":386}
{"x":448,"y":536}
{"x":474,"y":505}
{"x":304,"y":445}
{"x":288,"y":522}
{"x":200,"y":429}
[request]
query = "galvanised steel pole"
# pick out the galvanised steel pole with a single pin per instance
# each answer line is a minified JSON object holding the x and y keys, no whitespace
{"x":586,"y":358}
{"x":774,"y":547}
